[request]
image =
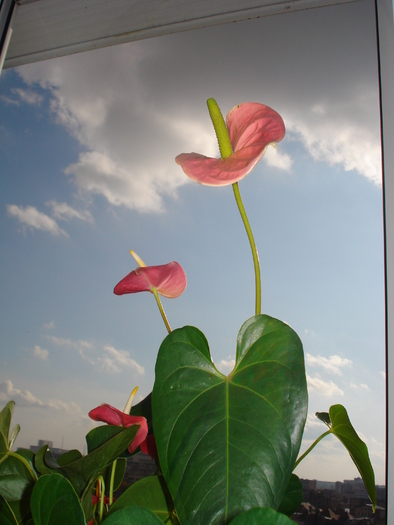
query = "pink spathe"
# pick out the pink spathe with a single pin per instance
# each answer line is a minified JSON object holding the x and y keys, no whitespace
{"x":168,"y":279}
{"x":252,"y":127}
{"x":112,"y":416}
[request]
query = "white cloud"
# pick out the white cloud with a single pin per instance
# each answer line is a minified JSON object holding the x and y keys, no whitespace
{"x":323,"y":388}
{"x":29,"y":96}
{"x":134,"y":107}
{"x":9,"y":100}
{"x":226,"y":365}
{"x":115,"y":360}
{"x":50,"y":325}
{"x":63,"y":211}
{"x":23,"y":95}
{"x":82,"y":347}
{"x":361,"y":386}
{"x":338,"y":134}
{"x":275,"y":158}
{"x":40,"y":353}
{"x":24,"y":398}
{"x":105,"y":358}
{"x":332,"y":364}
{"x":31,"y":217}
{"x":99,"y":174}
{"x":126,"y":158}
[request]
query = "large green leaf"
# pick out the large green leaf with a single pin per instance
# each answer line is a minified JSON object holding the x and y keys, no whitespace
{"x":7,"y":517}
{"x":69,"y":457}
{"x":55,"y":502}
{"x":151,"y":493}
{"x":81,"y":470}
{"x":100,"y":435}
{"x":16,"y":485}
{"x":5,"y":423}
{"x":339,"y":423}
{"x":132,"y":516}
{"x":262,"y":516}
{"x":143,"y":408}
{"x":5,"y":419}
{"x":228,"y":443}
{"x":3,"y":447}
{"x":293,"y":496}
{"x":86,"y":498}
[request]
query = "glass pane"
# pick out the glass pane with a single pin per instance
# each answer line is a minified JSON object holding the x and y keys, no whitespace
{"x":88,"y":145}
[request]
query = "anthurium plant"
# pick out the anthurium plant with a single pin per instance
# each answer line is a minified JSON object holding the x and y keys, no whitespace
{"x":225,"y":446}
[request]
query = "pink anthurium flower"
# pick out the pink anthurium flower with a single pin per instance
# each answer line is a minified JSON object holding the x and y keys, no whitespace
{"x":148,"y":447}
{"x":96,"y":499}
{"x":113,"y":416}
{"x":251,"y":127}
{"x":168,"y":279}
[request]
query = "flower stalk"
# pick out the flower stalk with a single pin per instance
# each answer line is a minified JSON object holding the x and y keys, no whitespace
{"x":255,"y":255}
{"x":226,"y":150}
{"x":141,"y":264}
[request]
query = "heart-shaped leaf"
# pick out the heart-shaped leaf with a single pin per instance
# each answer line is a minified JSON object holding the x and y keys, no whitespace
{"x":55,"y":502}
{"x":228,"y":443}
{"x":16,"y":485}
{"x":143,"y":408}
{"x":293,"y":496}
{"x":80,"y":471}
{"x":339,"y":423}
{"x":260,"y":516}
{"x":151,"y":493}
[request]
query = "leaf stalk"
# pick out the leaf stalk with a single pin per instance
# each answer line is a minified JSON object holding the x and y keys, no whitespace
{"x":311,"y":448}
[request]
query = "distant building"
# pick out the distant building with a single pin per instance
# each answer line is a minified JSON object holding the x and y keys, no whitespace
{"x":340,"y":503}
{"x":138,"y":466}
{"x":56,"y":452}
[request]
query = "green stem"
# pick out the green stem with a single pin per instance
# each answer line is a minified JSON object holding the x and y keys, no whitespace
{"x":111,"y":483}
{"x":311,"y":448}
{"x":141,"y":264}
{"x":162,"y":312}
{"x":226,"y":150}
{"x":25,"y":462}
{"x":253,"y":247}
{"x":102,"y":494}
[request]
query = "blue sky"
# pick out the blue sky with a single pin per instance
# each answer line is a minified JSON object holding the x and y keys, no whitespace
{"x":88,"y":145}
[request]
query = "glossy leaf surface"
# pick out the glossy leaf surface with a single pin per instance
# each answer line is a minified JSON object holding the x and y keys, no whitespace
{"x":144,"y":408}
{"x":55,"y":502}
{"x":293,"y":496}
{"x":5,"y":419}
{"x":339,"y":423}
{"x":7,"y":517}
{"x":132,"y":516}
{"x":262,"y":516}
{"x":228,"y":443}
{"x":151,"y":493}
{"x":16,"y":485}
